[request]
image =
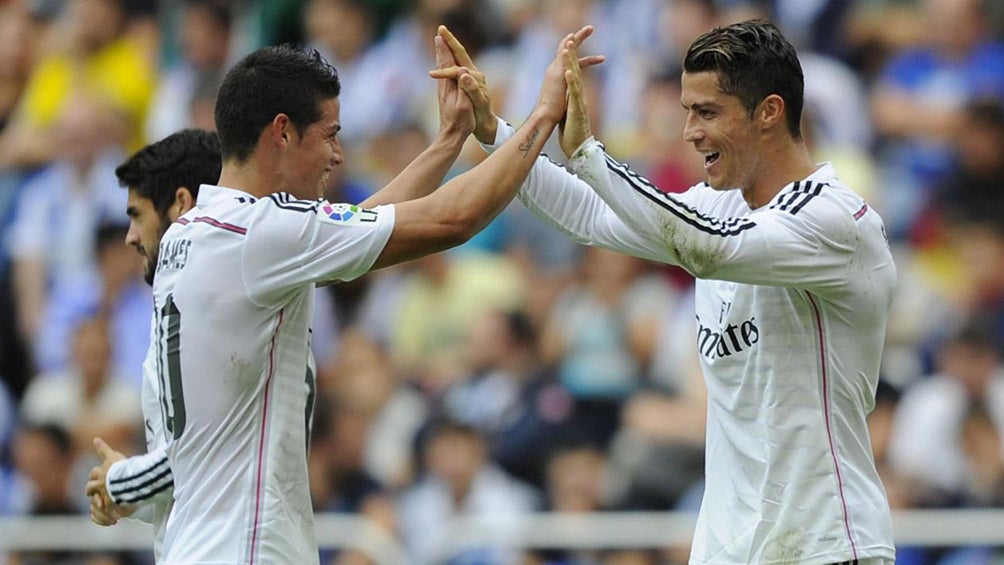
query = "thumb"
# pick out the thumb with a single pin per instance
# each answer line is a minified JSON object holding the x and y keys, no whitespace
{"x":102,"y":448}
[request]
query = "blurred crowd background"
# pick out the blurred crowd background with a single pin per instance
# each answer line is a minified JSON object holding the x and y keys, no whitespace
{"x":519,"y":372}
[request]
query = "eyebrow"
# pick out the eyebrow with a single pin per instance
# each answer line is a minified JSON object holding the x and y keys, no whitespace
{"x":698,"y":106}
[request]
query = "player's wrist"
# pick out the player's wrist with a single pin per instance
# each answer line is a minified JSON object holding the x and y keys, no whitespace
{"x":451,"y":138}
{"x":487,"y":129}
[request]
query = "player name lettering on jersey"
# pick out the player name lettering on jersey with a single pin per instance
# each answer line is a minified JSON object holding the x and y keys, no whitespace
{"x":733,"y":339}
{"x":173,"y":254}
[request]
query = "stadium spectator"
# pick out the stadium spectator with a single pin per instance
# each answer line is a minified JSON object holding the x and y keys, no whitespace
{"x":459,"y":482}
{"x":919,"y":99}
{"x":187,"y":89}
{"x":924,"y":444}
{"x":115,"y":288}
{"x":86,"y":398}
{"x":95,"y":62}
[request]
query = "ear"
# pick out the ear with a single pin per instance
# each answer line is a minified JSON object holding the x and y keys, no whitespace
{"x":183,"y":202}
{"x":280,"y":130}
{"x":770,"y":113}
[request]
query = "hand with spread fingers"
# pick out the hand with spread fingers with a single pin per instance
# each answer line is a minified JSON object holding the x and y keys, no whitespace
{"x":473,"y":81}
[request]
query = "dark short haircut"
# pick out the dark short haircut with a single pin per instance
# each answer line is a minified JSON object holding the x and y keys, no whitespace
{"x":188,"y":158}
{"x":268,"y":82}
{"x":753,"y":60}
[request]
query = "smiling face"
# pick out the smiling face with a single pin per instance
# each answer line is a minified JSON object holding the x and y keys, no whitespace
{"x":313,"y":153}
{"x":721,"y":130}
{"x":146,"y":227}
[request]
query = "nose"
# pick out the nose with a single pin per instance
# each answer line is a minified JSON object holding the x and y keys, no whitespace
{"x":338,"y":156}
{"x":692,"y":131}
{"x":132,"y":236}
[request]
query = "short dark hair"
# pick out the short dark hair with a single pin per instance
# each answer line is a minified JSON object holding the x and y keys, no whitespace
{"x":753,"y":60}
{"x":186,"y":158}
{"x":270,"y":81}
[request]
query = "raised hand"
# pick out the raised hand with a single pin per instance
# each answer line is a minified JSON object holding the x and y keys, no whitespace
{"x":476,"y":86}
{"x":575,"y":128}
{"x":456,"y":115}
{"x":104,"y":512}
{"x":553,"y":92}
{"x":472,"y":81}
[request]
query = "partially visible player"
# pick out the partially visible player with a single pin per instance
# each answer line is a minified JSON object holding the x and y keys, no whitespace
{"x":163,"y":181}
{"x":235,"y":279}
{"x":794,"y":285}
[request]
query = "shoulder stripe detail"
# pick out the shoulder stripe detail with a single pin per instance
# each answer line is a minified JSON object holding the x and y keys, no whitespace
{"x":287,"y":201}
{"x":222,"y":225}
{"x":144,"y":496}
{"x":861,"y":212}
{"x":140,"y":475}
{"x":801,"y":193}
{"x":689,"y":215}
{"x":815,"y":192}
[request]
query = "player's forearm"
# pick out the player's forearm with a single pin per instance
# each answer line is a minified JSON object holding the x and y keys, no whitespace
{"x":423,"y":175}
{"x":569,"y":205}
{"x":137,"y":479}
{"x":479,"y":195}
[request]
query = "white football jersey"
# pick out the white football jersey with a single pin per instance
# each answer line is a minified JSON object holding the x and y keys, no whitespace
{"x":233,"y":299}
{"x":792,"y":301}
{"x":146,"y":480}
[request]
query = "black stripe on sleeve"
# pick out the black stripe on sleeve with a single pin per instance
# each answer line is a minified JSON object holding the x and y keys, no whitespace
{"x":153,"y":468}
{"x":141,"y":497}
{"x":119,"y":492}
{"x":687,"y":214}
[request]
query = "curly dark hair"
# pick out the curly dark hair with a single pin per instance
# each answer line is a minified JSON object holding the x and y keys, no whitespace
{"x":187,"y":158}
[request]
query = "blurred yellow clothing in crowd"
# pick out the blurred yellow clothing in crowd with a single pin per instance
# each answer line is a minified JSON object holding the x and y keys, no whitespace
{"x":119,"y":75}
{"x":441,"y":300}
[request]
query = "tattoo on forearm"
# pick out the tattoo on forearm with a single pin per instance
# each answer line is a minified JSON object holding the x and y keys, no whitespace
{"x":527,"y":145}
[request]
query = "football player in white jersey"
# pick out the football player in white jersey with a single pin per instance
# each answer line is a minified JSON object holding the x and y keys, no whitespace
{"x":235,"y":278}
{"x":795,"y":280}
{"x":163,"y":181}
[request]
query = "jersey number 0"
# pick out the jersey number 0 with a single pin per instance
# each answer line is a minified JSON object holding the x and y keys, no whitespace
{"x":172,"y":399}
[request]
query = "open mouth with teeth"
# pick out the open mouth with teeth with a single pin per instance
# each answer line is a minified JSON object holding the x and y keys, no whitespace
{"x":710,"y":158}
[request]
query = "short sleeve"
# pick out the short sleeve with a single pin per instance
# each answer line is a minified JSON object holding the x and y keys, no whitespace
{"x":292,"y":242}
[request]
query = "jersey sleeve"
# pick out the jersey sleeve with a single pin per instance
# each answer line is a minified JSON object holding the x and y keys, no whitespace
{"x":140,"y":479}
{"x":292,"y":242}
{"x":567,"y":203}
{"x":800,"y":241}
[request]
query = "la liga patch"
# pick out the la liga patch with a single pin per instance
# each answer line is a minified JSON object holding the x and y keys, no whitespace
{"x":346,"y":214}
